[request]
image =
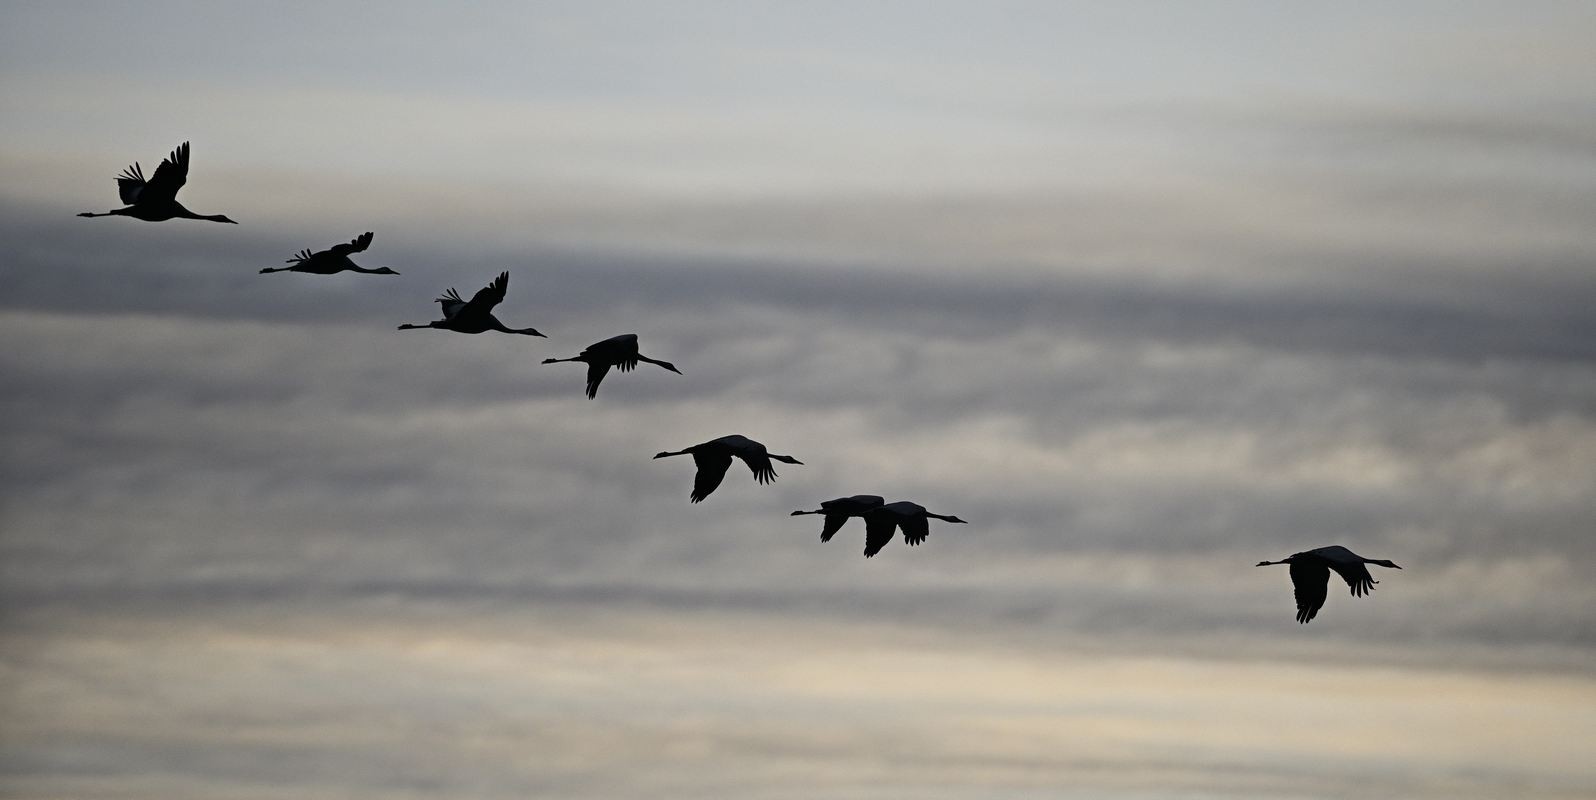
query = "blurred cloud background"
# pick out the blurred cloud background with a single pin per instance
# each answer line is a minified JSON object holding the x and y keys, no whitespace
{"x":1147,"y":292}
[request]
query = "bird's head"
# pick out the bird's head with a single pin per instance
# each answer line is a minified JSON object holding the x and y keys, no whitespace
{"x":531,"y":332}
{"x":786,"y":459}
{"x":1385,"y":562}
{"x":956,"y":519}
{"x":672,"y":367}
{"x":1263,"y":563}
{"x":383,"y":271}
{"x":223,"y":218}
{"x":663,"y":454}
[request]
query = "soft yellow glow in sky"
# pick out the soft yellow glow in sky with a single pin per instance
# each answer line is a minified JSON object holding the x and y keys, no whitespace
{"x":618,"y":702}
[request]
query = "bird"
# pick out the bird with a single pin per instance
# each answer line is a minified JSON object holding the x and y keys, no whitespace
{"x":839,"y":510}
{"x":155,"y":200}
{"x":1310,"y":575}
{"x":474,"y":316}
{"x":911,"y":517}
{"x":332,"y":260}
{"x":714,"y":457}
{"x":616,"y":351}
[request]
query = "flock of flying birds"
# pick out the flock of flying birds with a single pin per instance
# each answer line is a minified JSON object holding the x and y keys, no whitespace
{"x":155,"y":200}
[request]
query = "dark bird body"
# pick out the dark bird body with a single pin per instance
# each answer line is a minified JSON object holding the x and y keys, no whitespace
{"x":714,"y":457}
{"x":333,"y":260}
{"x":155,"y":200}
{"x":838,"y":511}
{"x":474,"y":316}
{"x":911,"y":517}
{"x":1310,"y":575}
{"x":617,"y":351}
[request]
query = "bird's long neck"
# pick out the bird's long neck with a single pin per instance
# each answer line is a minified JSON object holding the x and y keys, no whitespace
{"x":558,"y":360}
{"x":181,"y":211}
{"x":275,"y":269}
{"x":353,"y":267}
{"x":1272,"y":563}
{"x":433,"y":324}
{"x":499,"y":326}
{"x":677,"y":453}
{"x":801,"y":513}
{"x":112,"y":213}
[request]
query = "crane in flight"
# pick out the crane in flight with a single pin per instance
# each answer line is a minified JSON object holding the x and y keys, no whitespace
{"x":475,"y":315}
{"x":1310,"y":575}
{"x":617,"y":351}
{"x":837,"y":512}
{"x":714,"y":457}
{"x":333,"y":260}
{"x":155,"y":200}
{"x":911,"y":517}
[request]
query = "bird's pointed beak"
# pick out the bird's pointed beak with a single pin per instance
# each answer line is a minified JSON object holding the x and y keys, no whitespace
{"x":796,"y":514}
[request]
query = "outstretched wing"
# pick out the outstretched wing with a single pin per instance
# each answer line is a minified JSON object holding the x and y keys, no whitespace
{"x":168,"y":178}
{"x":878,"y":531}
{"x":1310,"y":580}
{"x":130,"y":184}
{"x":711,"y":470}
{"x":619,"y":351}
{"x":357,"y":245}
{"x":915,"y":530}
{"x":759,"y":464}
{"x":596,"y":370}
{"x":451,"y":303}
{"x":488,"y":296}
{"x":834,"y":523}
{"x":1357,"y":576}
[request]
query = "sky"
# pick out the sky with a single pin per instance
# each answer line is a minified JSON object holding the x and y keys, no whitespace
{"x":1146,"y":292}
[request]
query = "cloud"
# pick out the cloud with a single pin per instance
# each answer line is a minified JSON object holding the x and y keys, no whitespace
{"x":228,"y":458}
{"x":1143,"y":321}
{"x":635,"y":704}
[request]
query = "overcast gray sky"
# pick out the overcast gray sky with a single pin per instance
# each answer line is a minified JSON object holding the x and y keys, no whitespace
{"x":1146,"y":292}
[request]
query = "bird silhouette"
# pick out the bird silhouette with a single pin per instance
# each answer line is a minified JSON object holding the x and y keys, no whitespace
{"x":474,"y":316}
{"x":155,"y":200}
{"x":911,"y":517}
{"x":839,"y":510}
{"x":1310,"y":575}
{"x":332,"y":260}
{"x":617,"y":351}
{"x":714,"y":457}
